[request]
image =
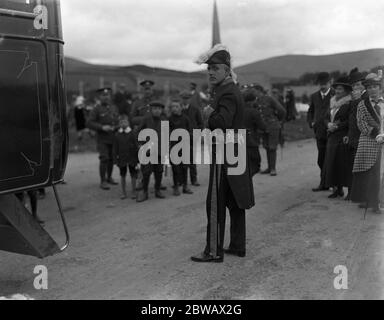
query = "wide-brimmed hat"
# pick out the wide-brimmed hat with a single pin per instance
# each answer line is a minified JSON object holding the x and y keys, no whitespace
{"x":355,"y":76}
{"x":323,"y":78}
{"x":344,"y":82}
{"x":372,"y":79}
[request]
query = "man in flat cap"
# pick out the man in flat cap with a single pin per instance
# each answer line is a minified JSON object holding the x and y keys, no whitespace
{"x":196,"y":122}
{"x":104,"y":119}
{"x":234,"y":192}
{"x":140,"y":108}
{"x":318,"y":110}
{"x":152,"y":120}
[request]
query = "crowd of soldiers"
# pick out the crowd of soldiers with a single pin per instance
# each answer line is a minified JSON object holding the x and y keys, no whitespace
{"x":117,"y":120}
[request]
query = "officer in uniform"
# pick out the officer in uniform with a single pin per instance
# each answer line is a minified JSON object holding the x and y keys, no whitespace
{"x":273,"y":114}
{"x":104,"y":119}
{"x":140,"y":108}
{"x":153,"y":121}
{"x":234,"y":192}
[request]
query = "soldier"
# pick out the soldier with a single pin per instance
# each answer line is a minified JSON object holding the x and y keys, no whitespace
{"x":196,"y":122}
{"x":272,"y":113}
{"x":123,"y":100}
{"x":140,"y":108}
{"x":254,"y":125}
{"x":318,"y":110}
{"x":104,"y":119}
{"x":153,"y":121}
{"x":232,"y":191}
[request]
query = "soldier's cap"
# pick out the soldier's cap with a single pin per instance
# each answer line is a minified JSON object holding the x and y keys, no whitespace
{"x":156,"y":104}
{"x":323,"y":78}
{"x":147,"y":83}
{"x":257,"y":86}
{"x":104,"y":90}
{"x":185,"y":94}
{"x":372,"y":79}
{"x":344,"y":82}
{"x":219,"y":54}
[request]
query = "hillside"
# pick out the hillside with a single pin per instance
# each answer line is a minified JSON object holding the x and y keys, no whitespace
{"x":293,"y":66}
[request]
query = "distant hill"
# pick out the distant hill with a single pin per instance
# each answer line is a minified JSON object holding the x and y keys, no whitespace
{"x":293,"y":66}
{"x":92,"y":75}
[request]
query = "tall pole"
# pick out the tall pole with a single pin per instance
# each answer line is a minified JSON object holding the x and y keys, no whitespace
{"x":216,"y":26}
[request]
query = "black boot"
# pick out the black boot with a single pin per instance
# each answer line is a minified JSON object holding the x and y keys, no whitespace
{"x":267,"y":171}
{"x":272,"y":161}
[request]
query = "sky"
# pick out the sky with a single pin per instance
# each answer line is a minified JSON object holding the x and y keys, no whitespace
{"x":172,"y":33}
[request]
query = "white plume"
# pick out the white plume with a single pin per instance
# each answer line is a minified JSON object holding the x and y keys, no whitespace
{"x":203,"y":58}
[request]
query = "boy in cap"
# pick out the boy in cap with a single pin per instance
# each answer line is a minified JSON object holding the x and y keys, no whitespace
{"x":153,"y":121}
{"x":178,"y":120}
{"x":318,"y":109}
{"x":104,"y":119}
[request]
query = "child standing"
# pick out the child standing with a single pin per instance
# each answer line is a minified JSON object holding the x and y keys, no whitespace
{"x":178,"y":120}
{"x":126,"y":151}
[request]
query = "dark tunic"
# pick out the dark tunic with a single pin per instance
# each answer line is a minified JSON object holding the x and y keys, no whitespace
{"x":254,"y":125}
{"x":195,"y":117}
{"x":103,"y":115}
{"x":122,"y":101}
{"x":228,"y":105}
{"x":140,"y":109}
{"x":126,"y":149}
{"x":336,"y":170}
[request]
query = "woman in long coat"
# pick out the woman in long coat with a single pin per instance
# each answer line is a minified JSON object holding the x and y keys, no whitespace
{"x":336,"y":172}
{"x":366,"y":181}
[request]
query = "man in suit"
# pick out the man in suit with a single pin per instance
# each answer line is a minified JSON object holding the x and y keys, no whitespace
{"x":234,"y":192}
{"x":318,"y":109}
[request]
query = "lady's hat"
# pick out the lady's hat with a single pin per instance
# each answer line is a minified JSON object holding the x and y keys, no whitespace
{"x":344,"y":82}
{"x":372,"y":79}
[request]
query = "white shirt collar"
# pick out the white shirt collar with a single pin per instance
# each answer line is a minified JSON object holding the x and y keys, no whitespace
{"x":326,"y":93}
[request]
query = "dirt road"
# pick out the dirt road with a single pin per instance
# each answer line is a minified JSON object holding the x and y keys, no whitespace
{"x":124,"y":250}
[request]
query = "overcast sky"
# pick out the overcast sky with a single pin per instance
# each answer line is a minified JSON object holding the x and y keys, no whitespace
{"x":172,"y":33}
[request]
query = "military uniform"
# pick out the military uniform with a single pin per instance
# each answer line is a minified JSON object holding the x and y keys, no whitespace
{"x":272,"y":113}
{"x":140,"y":109}
{"x":100,"y":116}
{"x":154,"y":123}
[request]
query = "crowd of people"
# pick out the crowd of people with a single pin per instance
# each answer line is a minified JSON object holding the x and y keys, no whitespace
{"x":117,"y":120}
{"x":347,"y":117}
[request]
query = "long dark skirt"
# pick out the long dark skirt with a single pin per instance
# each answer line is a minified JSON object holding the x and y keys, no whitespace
{"x":336,"y":171}
{"x":366,"y":186}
